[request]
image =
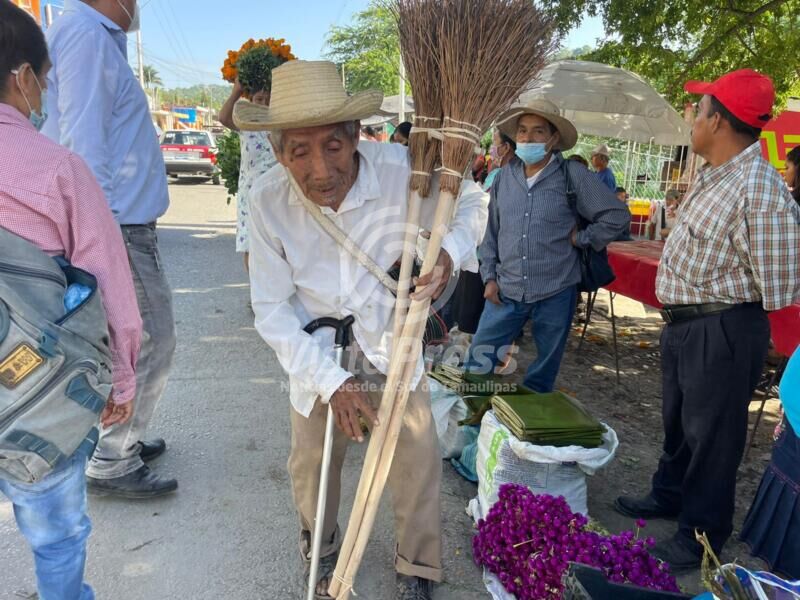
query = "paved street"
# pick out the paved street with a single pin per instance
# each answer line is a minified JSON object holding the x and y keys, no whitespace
{"x":230,"y":531}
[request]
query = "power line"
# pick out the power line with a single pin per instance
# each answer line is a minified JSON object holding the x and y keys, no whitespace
{"x":182,"y":36}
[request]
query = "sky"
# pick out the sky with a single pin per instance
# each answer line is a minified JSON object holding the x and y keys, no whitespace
{"x":187,"y":40}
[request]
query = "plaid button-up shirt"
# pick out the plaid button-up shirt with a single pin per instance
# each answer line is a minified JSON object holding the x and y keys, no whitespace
{"x":737,"y":238}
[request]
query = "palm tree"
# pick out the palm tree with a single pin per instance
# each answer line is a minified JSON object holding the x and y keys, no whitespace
{"x":151,"y":77}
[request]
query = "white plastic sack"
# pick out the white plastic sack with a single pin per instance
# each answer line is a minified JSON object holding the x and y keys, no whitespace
{"x":502,"y":458}
{"x":448,"y":409}
{"x":442,"y":400}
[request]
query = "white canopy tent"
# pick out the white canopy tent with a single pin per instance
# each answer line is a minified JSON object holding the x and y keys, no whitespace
{"x":610,"y":102}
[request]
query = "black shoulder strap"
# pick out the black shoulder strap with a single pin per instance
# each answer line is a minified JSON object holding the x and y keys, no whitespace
{"x":572,"y":195}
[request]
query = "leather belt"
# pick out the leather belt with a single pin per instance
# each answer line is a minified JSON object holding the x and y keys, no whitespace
{"x":676,"y":313}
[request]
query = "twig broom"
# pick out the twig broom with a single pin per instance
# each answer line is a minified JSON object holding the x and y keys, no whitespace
{"x":488,"y":51}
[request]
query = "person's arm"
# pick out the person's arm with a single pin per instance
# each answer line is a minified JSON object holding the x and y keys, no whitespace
{"x":607,"y":216}
{"x":93,"y":242}
{"x":468,"y":224}
{"x":226,"y":112}
{"x":86,"y":90}
{"x":773,"y":230}
{"x":302,"y":356}
{"x":487,"y":250}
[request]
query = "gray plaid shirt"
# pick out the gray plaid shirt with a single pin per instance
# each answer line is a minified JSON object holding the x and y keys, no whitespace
{"x":527,"y":247}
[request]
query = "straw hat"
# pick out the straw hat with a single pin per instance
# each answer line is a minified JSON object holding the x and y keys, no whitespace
{"x":507,"y":122}
{"x":602,"y":150}
{"x":306,"y":94}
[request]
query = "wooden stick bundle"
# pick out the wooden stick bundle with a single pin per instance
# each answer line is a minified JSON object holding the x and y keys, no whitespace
{"x":487,"y":52}
{"x":418,"y":27}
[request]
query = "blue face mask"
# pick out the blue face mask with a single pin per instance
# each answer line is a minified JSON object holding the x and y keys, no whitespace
{"x":36,"y":119}
{"x":532,"y":153}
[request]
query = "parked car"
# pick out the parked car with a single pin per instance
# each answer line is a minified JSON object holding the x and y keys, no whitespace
{"x":191,"y":153}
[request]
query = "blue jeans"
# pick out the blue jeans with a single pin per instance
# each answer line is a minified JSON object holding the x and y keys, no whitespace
{"x":500,"y":325}
{"x":51,"y":514}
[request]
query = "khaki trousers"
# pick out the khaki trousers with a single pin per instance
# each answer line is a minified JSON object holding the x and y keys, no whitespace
{"x":414,"y":479}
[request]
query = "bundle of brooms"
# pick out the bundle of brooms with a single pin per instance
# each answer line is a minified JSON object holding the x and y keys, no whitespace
{"x":477,"y":56}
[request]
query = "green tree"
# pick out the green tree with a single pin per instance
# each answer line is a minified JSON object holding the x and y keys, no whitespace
{"x":670,"y":42}
{"x":369,"y":49}
{"x":152,"y":78}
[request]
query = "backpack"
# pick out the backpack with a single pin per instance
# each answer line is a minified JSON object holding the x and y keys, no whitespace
{"x":596,"y":272}
{"x":55,"y":365}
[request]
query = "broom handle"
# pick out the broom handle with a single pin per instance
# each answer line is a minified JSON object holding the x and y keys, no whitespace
{"x":406,"y":266}
{"x":377,"y":437}
{"x":396,"y":396}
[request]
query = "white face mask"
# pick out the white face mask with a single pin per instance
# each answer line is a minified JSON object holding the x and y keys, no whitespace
{"x":135,"y":20}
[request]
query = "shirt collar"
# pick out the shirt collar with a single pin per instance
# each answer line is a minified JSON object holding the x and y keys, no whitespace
{"x":11,"y":116}
{"x":85,"y":9}
{"x":518,"y":168}
{"x":366,"y":187}
{"x":715,"y":174}
{"x":117,"y":33}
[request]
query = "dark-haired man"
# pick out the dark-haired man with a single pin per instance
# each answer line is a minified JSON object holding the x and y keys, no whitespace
{"x":99,"y":111}
{"x":732,"y":256}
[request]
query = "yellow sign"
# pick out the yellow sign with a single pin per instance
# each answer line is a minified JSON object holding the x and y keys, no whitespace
{"x":23,"y":361}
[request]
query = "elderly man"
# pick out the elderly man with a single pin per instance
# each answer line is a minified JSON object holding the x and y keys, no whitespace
{"x":732,"y":255}
{"x":601,"y":156}
{"x":298,"y":273}
{"x":529,"y":257}
{"x":99,"y":111}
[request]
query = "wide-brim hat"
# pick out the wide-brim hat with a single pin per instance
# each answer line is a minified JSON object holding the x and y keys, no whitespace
{"x":306,"y":94}
{"x":507,"y":122}
{"x":602,"y":150}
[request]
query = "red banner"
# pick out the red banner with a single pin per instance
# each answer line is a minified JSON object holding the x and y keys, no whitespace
{"x":779,"y":136}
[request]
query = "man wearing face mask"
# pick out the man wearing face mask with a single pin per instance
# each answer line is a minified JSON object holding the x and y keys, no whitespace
{"x":99,"y":111}
{"x":529,"y":257}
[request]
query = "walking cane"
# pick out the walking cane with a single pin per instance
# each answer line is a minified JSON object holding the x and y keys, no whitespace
{"x":342,"y":327}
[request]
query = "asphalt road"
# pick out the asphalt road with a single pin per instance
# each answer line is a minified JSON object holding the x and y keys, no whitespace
{"x":231,"y":530}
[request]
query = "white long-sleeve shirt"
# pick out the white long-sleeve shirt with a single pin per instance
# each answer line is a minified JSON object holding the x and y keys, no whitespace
{"x":298,"y":273}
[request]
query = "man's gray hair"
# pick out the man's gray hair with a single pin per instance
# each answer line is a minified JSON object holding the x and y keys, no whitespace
{"x":346,"y":129}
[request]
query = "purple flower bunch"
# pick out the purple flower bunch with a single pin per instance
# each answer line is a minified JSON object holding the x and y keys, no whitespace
{"x":528,"y":540}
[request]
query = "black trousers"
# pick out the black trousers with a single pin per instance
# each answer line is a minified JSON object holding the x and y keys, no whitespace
{"x":710,"y":368}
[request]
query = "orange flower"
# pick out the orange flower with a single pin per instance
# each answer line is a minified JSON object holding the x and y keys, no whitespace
{"x":278,"y":47}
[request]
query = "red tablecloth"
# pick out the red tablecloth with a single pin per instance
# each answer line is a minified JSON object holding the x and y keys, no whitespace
{"x":636,"y":265}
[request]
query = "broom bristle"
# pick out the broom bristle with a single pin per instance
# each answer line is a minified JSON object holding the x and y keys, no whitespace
{"x":489,"y":51}
{"x":418,"y":27}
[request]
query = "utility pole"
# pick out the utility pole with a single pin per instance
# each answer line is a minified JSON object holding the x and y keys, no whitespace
{"x":141,"y":58}
{"x":402,"y":114}
{"x":48,"y":15}
{"x":344,"y":79}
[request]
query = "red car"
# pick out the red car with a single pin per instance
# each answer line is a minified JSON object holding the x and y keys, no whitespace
{"x":190,"y":153}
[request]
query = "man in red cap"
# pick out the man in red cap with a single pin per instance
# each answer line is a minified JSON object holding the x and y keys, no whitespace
{"x":732,"y":255}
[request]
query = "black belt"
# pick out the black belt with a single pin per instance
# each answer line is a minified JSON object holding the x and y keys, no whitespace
{"x":145,"y":225}
{"x":675,"y":313}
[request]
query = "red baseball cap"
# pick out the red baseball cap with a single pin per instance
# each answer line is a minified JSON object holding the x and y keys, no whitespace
{"x":747,"y":94}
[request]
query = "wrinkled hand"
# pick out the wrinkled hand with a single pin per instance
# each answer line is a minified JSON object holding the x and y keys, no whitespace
{"x":434,"y":283}
{"x":348,"y":403}
{"x":492,"y":292}
{"x":116,"y":414}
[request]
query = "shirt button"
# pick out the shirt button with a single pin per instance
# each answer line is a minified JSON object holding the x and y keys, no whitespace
{"x":524,"y":276}
{"x":524,"y":235}
{"x":524,"y":258}
{"x":526,"y":214}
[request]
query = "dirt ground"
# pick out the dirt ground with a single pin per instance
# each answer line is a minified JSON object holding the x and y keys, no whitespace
{"x":633,"y":409}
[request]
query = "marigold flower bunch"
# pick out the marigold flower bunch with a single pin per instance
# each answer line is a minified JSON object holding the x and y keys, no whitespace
{"x":254,"y":61}
{"x":528,"y":541}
